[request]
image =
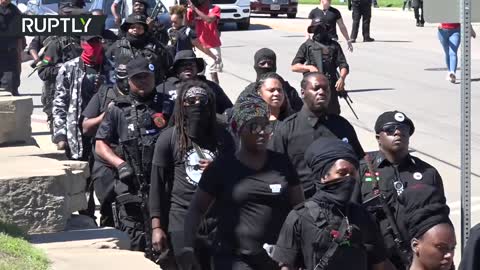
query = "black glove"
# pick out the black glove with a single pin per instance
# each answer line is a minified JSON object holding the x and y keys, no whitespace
{"x":34,"y":63}
{"x":125,"y":172}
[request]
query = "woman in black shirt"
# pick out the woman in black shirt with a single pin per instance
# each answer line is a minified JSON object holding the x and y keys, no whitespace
{"x":182,"y":152}
{"x":253,"y":191}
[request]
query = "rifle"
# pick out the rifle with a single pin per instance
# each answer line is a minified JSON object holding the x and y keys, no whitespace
{"x":379,"y":203}
{"x":348,"y":100}
{"x":159,"y":6}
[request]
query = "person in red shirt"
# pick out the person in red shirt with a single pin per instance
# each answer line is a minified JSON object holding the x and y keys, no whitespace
{"x":205,"y":16}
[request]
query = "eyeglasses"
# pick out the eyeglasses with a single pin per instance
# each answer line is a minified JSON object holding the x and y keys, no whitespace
{"x":257,"y":128}
{"x":197,"y":100}
{"x":390,"y":129}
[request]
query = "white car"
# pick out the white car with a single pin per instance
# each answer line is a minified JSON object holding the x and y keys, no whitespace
{"x":237,"y":11}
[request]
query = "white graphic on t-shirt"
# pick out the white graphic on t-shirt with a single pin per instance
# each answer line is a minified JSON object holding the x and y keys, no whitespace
{"x":192,"y":164}
{"x":276,"y":188}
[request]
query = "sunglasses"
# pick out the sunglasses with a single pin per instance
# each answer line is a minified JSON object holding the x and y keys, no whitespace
{"x":390,"y":129}
{"x":198,"y":100}
{"x":257,"y":128}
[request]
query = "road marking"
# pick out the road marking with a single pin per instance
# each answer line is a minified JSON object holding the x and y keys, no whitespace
{"x":458,"y":204}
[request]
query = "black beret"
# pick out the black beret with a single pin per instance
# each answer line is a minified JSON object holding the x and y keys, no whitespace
{"x":393,"y":117}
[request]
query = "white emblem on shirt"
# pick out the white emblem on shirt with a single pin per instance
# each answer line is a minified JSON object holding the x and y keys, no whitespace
{"x":345,"y":139}
{"x":275,"y":188}
{"x":417,"y":176}
{"x":192,"y":165}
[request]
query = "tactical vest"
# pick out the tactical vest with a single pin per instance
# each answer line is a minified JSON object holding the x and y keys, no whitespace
{"x":143,"y":129}
{"x":321,"y":56}
{"x":106,"y":94}
{"x":70,"y":46}
{"x":331,"y":232}
{"x":129,"y":52}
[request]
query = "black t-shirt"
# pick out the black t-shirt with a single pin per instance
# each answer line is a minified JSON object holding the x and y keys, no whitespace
{"x":300,"y":234}
{"x":295,"y":134}
{"x":251,"y":205}
{"x":181,"y":39}
{"x":184,"y":170}
{"x":331,"y":16}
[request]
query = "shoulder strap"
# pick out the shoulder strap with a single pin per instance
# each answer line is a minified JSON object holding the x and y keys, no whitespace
{"x":336,"y":241}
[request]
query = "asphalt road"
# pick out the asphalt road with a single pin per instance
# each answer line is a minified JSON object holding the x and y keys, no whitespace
{"x":403,"y":70}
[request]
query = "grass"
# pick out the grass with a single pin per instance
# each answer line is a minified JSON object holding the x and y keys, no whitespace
{"x":18,"y":254}
{"x":381,"y":3}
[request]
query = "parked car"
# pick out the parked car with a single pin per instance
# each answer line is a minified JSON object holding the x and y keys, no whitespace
{"x":275,"y":7}
{"x":46,"y":7}
{"x":236,"y":11}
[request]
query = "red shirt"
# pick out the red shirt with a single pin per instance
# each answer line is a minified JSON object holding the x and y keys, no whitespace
{"x":450,"y":25}
{"x":207,"y":32}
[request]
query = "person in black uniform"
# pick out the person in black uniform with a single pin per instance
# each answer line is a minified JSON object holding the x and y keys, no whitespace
{"x":297,"y":132}
{"x":138,"y":42}
{"x":181,"y":155}
{"x":321,"y":53}
{"x":253,"y":190}
{"x":361,"y":9}
{"x":265,"y":61}
{"x":428,"y":228}
{"x":58,"y":50}
{"x":470,"y":259}
{"x":391,"y":170}
{"x":10,"y":49}
{"x":134,"y":123}
{"x":186,"y":66}
{"x":417,"y":7}
{"x":332,"y":17}
{"x":103,"y":175}
{"x":328,"y":231}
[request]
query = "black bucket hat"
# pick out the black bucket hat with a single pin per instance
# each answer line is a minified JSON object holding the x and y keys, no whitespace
{"x":133,"y":19}
{"x":185,"y":55}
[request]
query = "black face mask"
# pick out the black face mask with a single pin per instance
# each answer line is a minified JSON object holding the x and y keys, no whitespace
{"x":142,"y":99}
{"x":122,"y":85}
{"x":197,"y":118}
{"x":137,"y":41}
{"x":338,"y":192}
{"x":321,"y":36}
{"x":260,"y":70}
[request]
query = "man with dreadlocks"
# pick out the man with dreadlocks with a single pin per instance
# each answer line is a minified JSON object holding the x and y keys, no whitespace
{"x":182,"y":153}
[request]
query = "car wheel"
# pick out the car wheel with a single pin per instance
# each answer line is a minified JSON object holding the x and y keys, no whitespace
{"x":274,"y":15}
{"x":292,"y":15}
{"x":244,"y":25}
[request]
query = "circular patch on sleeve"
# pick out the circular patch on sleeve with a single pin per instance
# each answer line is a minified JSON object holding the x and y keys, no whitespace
{"x":417,"y":176}
{"x":151,"y":67}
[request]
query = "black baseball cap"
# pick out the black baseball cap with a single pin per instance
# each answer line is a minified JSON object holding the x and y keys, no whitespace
{"x":139,"y":65}
{"x":316,"y":23}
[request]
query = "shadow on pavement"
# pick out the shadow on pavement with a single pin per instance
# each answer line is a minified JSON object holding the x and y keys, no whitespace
{"x":40,"y":133}
{"x":439,"y":69}
{"x":31,"y":94}
{"x":229,"y":27}
{"x":391,"y":41}
{"x":369,"y":90}
{"x":472,"y":80}
{"x":38,"y":106}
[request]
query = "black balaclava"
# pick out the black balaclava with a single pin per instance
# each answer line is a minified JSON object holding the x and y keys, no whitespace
{"x":137,"y":41}
{"x":321,"y":34}
{"x":263,"y":54}
{"x":197,"y":117}
{"x":320,"y":157}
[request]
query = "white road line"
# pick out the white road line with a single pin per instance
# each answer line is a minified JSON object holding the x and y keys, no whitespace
{"x":474,"y":208}
{"x":458,"y":204}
